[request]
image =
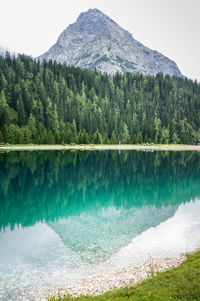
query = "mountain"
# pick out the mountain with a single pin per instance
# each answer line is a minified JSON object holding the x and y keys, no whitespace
{"x":96,"y":41}
{"x":96,"y":230}
{"x":3,"y":51}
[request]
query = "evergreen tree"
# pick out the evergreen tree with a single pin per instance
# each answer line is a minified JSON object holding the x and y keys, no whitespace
{"x":125,"y":136}
{"x":21,"y":112}
{"x":113,"y":139}
{"x":53,"y":103}
{"x":3,"y":109}
{"x":13,"y":134}
{"x":157,"y":123}
{"x":32,"y":127}
{"x":164,"y":136}
{"x":85,"y":137}
{"x":97,"y":138}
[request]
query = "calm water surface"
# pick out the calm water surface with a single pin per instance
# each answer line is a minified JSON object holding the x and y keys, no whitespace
{"x":64,"y":215}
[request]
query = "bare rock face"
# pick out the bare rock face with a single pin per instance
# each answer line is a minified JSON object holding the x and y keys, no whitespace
{"x":96,"y":41}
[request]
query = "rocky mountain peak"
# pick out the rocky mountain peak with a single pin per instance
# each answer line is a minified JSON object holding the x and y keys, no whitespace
{"x":96,"y":41}
{"x":93,"y":15}
{"x":92,"y":22}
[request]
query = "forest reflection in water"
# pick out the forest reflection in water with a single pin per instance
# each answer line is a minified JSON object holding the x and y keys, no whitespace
{"x":49,"y":185}
{"x":65,"y":214}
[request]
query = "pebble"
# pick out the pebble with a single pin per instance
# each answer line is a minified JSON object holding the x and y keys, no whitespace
{"x":131,"y":275}
{"x":96,"y":284}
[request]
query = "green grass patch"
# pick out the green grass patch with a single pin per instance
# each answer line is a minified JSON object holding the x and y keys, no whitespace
{"x":180,"y":283}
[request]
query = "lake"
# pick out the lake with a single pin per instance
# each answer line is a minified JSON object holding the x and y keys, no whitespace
{"x":66,"y":214}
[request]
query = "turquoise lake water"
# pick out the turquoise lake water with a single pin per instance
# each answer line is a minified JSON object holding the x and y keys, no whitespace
{"x":65,"y":214}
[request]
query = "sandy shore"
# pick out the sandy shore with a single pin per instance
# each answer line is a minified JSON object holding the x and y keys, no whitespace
{"x":105,"y":147}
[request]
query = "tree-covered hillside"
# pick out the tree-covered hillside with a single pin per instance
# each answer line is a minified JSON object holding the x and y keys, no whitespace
{"x":54,"y":103}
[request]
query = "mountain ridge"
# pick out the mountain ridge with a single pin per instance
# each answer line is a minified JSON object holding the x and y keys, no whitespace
{"x":95,"y":41}
{"x":4,"y":50}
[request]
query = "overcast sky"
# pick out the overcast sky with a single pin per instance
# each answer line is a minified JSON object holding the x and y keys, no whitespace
{"x":171,"y":27}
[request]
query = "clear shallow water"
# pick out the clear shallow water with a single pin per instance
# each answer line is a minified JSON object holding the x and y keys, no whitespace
{"x":64,"y":215}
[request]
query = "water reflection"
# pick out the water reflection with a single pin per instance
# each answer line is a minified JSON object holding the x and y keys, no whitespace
{"x":47,"y":186}
{"x":98,"y":235}
{"x":60,"y":211}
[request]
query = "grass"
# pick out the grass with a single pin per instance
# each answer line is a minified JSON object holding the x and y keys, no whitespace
{"x":180,"y":283}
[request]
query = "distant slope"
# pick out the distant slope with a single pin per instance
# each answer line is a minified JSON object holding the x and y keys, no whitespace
{"x":96,"y":41}
{"x":3,"y":51}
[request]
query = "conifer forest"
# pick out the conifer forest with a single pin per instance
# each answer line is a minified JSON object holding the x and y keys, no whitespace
{"x":52,"y":103}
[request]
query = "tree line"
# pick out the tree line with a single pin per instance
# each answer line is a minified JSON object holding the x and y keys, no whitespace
{"x":52,"y":103}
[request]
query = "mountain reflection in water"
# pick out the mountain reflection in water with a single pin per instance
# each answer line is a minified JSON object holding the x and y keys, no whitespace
{"x":62,"y":213}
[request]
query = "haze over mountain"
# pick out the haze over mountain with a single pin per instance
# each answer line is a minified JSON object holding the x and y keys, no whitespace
{"x":96,"y":41}
{"x":3,"y":51}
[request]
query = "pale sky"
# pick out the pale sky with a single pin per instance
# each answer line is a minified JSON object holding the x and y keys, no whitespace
{"x":171,"y":27}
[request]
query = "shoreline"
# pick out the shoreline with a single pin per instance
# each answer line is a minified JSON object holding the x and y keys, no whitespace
{"x":125,"y":268}
{"x":150,"y":147}
{"x":129,"y":276}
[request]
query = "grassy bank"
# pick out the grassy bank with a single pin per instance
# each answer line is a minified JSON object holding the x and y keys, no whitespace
{"x":181,"y":283}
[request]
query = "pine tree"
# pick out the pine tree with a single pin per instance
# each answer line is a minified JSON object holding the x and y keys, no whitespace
{"x":3,"y":109}
{"x":157,"y":123}
{"x":97,"y":138}
{"x":54,"y":102}
{"x":32,"y":127}
{"x":164,"y":136}
{"x":21,"y":112}
{"x":13,"y":134}
{"x":113,"y":139}
{"x":125,"y":136}
{"x":85,"y":137}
